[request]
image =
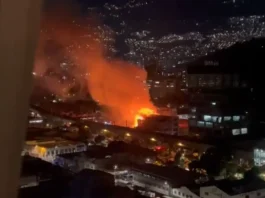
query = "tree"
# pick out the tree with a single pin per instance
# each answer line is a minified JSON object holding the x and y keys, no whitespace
{"x":231,"y":169}
{"x":99,"y":139}
{"x":252,"y":174}
{"x":179,"y":160}
{"x":196,"y":164}
{"x":135,"y":142}
{"x":215,"y":159}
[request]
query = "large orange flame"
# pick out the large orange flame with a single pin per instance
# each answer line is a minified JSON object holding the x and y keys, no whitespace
{"x":142,"y":113}
{"x":89,"y":67}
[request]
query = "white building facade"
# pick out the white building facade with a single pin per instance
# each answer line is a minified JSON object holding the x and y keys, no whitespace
{"x":48,"y":150}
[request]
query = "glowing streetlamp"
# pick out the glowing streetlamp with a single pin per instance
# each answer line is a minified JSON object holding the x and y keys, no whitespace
{"x":180,"y":144}
{"x":105,"y":130}
{"x":153,"y":139}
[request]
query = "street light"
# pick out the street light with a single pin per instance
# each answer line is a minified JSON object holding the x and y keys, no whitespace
{"x":147,"y":160}
{"x":153,"y":139}
{"x":180,"y":144}
{"x":128,"y":134}
{"x":105,"y":130}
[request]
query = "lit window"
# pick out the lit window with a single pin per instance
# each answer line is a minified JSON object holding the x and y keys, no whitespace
{"x":200,"y":124}
{"x":227,"y":118}
{"x":207,"y":118}
{"x":220,"y":119}
{"x":214,"y":118}
{"x":236,"y":131}
{"x":244,"y":131}
{"x":209,"y":124}
{"x":236,"y":118}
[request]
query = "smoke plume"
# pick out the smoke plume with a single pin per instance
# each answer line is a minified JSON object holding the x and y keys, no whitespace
{"x":114,"y":83}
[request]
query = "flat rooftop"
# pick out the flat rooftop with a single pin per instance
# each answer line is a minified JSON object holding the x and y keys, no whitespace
{"x":234,"y":187}
{"x":174,"y":175}
{"x":51,"y":143}
{"x":92,"y":152}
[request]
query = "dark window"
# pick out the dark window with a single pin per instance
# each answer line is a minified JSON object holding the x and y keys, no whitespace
{"x":247,"y":196}
{"x":206,"y":193}
{"x":258,"y":193}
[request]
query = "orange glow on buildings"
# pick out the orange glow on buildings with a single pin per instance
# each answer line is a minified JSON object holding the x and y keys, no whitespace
{"x":142,"y":113}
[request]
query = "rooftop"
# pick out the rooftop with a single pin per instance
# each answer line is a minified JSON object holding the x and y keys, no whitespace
{"x":33,"y":166}
{"x":233,"y":187}
{"x":52,"y":143}
{"x":122,"y":147}
{"x":92,"y":152}
{"x":113,"y":148}
{"x":174,"y":175}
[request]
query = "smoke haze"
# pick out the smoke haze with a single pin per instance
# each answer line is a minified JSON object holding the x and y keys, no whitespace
{"x":116,"y":84}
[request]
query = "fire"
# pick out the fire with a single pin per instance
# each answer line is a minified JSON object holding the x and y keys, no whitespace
{"x":142,"y":113}
{"x":118,"y":86}
{"x":136,"y":119}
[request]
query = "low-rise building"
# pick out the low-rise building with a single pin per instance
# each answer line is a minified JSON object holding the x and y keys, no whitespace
{"x":174,"y":182}
{"x":102,"y":158}
{"x":48,"y":150}
{"x":163,"y":181}
{"x":235,"y":189}
{"x":160,"y":124}
{"x":259,"y":154}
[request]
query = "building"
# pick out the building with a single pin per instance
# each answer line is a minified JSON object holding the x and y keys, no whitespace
{"x":259,"y":153}
{"x":219,"y":100}
{"x":181,"y":73}
{"x":48,"y":150}
{"x":160,"y":124}
{"x":94,"y":183}
{"x":233,"y":188}
{"x":35,"y":171}
{"x":183,"y":113}
{"x":160,"y":180}
{"x":35,"y":119}
{"x":174,"y":182}
{"x":102,"y":158}
{"x":161,"y":87}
